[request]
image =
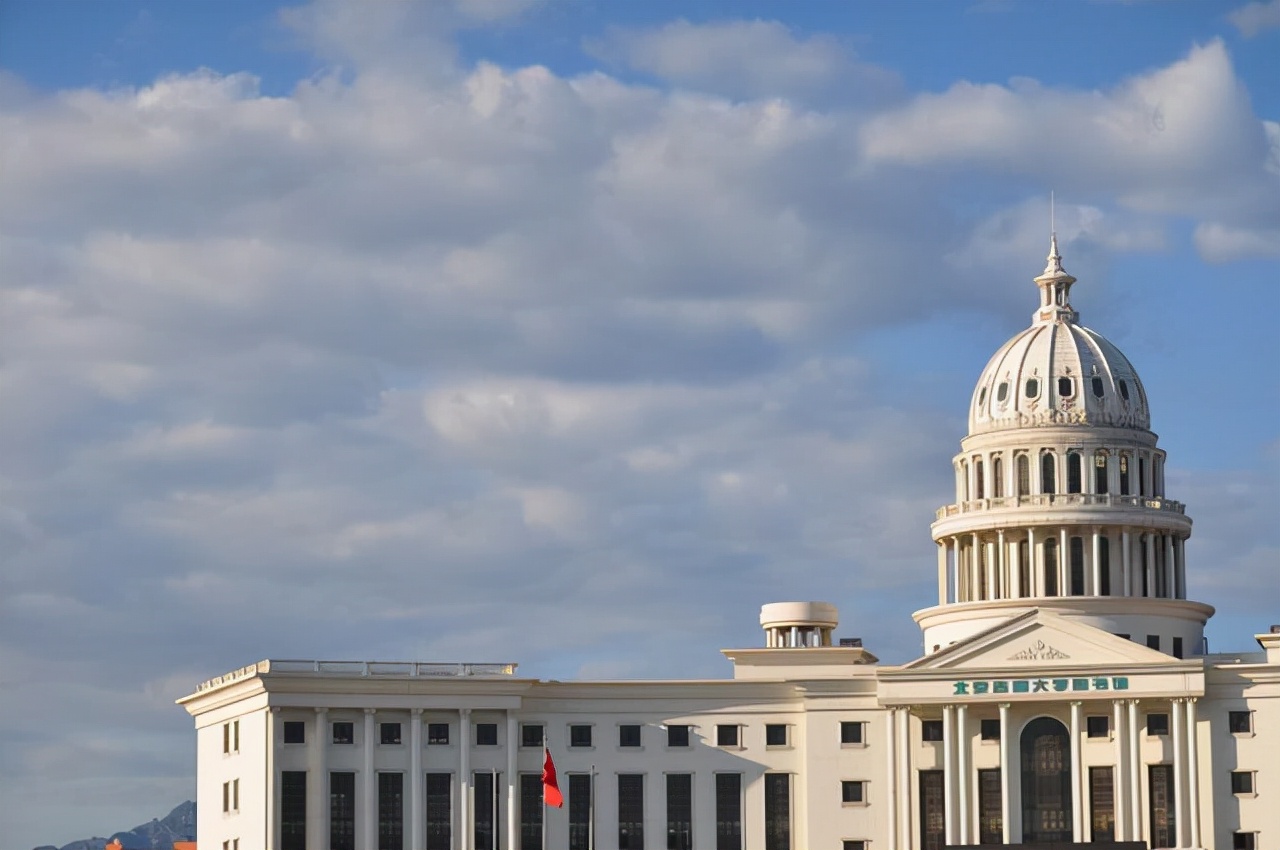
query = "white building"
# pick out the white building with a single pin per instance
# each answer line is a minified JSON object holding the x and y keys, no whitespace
{"x":1065,"y":696}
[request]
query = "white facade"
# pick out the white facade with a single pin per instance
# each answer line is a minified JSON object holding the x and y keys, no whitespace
{"x":1064,"y":696}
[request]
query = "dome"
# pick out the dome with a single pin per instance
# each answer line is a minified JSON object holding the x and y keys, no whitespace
{"x":1057,"y":372}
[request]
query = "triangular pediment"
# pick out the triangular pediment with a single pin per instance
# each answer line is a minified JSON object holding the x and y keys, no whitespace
{"x":1039,"y":639}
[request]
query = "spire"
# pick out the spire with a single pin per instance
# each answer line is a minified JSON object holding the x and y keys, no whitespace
{"x":1055,"y":289}
{"x":1054,"y":266}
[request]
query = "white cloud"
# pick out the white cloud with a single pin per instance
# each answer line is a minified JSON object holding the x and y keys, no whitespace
{"x":1253,"y":18}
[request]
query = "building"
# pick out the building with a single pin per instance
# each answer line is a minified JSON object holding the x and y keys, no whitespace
{"x":1065,"y":695}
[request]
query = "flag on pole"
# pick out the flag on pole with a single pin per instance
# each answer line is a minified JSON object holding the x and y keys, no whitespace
{"x":550,"y":785}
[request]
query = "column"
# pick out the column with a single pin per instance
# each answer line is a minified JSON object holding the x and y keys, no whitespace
{"x":1136,"y":821}
{"x":949,"y":772}
{"x":513,"y":782}
{"x":1035,"y":569}
{"x":1171,"y":574}
{"x":1006,"y":768}
{"x":1015,"y":573}
{"x":318,"y":782}
{"x":942,"y":574}
{"x":1002,"y":565}
{"x":367,"y":812}
{"x":1119,"y":795}
{"x":1064,"y":564}
{"x":904,"y":776}
{"x":270,"y":823}
{"x":962,"y":772}
{"x":891,"y":764}
{"x":975,"y":563}
{"x":1126,"y":553}
{"x":993,"y":586}
{"x":1193,"y":775}
{"x":1095,"y":588}
{"x":417,"y":817}
{"x":1180,"y":557}
{"x":1151,"y":564}
{"x":958,"y":585}
{"x":1179,"y":772}
{"x":1077,"y":804}
{"x":466,"y":834}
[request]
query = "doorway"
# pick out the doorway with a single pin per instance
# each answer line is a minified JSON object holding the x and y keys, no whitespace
{"x":1046,"y":782}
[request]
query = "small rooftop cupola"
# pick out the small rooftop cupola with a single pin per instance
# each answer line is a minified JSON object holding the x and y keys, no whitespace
{"x":1055,"y":290}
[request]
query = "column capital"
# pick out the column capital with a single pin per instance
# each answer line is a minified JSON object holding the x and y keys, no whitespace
{"x":275,"y":709}
{"x":1004,"y":706}
{"x":1076,"y":702}
{"x":416,"y":712}
{"x":371,"y":711}
{"x":465,"y":712}
{"x":321,"y":709}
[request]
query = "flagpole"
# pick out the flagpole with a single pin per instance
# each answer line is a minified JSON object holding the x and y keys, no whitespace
{"x":546,"y":748}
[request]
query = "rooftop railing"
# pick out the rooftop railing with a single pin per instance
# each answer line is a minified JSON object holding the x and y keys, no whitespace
{"x":372,"y":669}
{"x":1059,"y":500}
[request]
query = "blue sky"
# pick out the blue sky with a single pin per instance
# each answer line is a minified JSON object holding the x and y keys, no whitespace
{"x":319,"y":323}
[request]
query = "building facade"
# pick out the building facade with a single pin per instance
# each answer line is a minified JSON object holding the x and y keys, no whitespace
{"x":1065,"y":695}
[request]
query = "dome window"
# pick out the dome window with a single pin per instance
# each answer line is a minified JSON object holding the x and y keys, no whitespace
{"x":1033,"y":388}
{"x":1124,"y":389}
{"x":1066,"y":388}
{"x":1002,"y":391}
{"x":982,"y":396}
{"x":1097,"y":386}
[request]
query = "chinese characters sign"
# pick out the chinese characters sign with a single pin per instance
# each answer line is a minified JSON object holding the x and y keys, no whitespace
{"x":980,"y":687}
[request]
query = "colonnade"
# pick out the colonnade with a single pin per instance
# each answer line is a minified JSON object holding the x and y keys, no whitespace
{"x":1002,"y":473}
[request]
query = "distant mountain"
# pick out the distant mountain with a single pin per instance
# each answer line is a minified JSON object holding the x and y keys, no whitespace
{"x":178,"y":825}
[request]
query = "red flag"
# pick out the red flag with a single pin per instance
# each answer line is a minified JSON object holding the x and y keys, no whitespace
{"x":550,"y":786}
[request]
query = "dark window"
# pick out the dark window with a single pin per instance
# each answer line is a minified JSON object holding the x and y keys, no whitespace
{"x":850,"y":732}
{"x":1157,"y":724}
{"x":728,"y":811}
{"x":1002,"y":391}
{"x":1124,"y":390}
{"x":1097,"y":386}
{"x":1243,"y":840}
{"x":580,"y":735}
{"x":777,"y":811}
{"x":989,"y":729}
{"x":1177,"y":647}
{"x":1077,"y":565}
{"x":1122,"y":635}
{"x":1075,"y":472}
{"x":990,"y":822}
{"x":931,"y":730}
{"x":1098,"y":725}
{"x":293,"y":810}
{"x":1240,"y":722}
{"x":531,"y":811}
{"x":979,"y":479}
{"x":853,"y":791}
{"x":1124,"y":475}
{"x":532,"y":735}
{"x":1051,"y":567}
{"x":1153,"y":642}
{"x":982,"y":396}
{"x":486,"y":734}
{"x":1100,"y":472}
{"x":629,"y":735}
{"x":391,"y":811}
{"x":932,"y":812}
{"x":1033,"y":388}
{"x":342,"y":811}
{"x":295,"y":732}
{"x":344,"y":732}
{"x":677,"y":735}
{"x":1066,"y":387}
{"x":439,"y":809}
{"x":775,"y":735}
{"x":579,"y":811}
{"x":630,"y":811}
{"x":1047,"y":478}
{"x":1102,"y":804}
{"x":437,"y":733}
{"x":1241,"y":782}
{"x":726,"y":735}
{"x":1104,"y":566}
{"x":1163,"y":808}
{"x":487,"y":793}
{"x":855,"y":844}
{"x":997,"y":478}
{"x":389,"y":733}
{"x":1023,"y":469}
{"x":679,"y":811}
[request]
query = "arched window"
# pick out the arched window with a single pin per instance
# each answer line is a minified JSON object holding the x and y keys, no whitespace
{"x":979,"y":483}
{"x":1066,"y":388}
{"x":1051,"y":567}
{"x":1142,"y":475}
{"x":1124,"y":474}
{"x":1047,"y":463}
{"x":1097,"y":386}
{"x":1074,"y":462}
{"x":1077,"y":566}
{"x":1024,"y":569}
{"x":1023,"y":469}
{"x":964,"y":481}
{"x":1032,"y":388}
{"x":997,"y":477}
{"x":1100,"y":471}
{"x":1157,"y":476}
{"x":1104,"y":566}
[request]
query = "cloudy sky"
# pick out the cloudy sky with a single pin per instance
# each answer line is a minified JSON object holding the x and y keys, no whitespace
{"x":568,"y":333}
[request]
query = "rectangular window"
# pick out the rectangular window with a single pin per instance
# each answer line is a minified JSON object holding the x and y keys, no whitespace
{"x":726,"y":735}
{"x":1162,"y":809}
{"x":342,"y":810}
{"x":580,"y":735}
{"x":989,"y":729}
{"x":295,"y":732}
{"x":231,"y":796}
{"x":1102,"y":803}
{"x":853,"y":792}
{"x":437,"y":733}
{"x":990,"y":822}
{"x":532,"y":735}
{"x":486,"y":734}
{"x":728,"y":811}
{"x":1242,"y":782}
{"x":850,"y":732}
{"x":677,"y":735}
{"x":1098,"y":726}
{"x":389,"y":733}
{"x":777,"y":811}
{"x":579,"y":811}
{"x":629,"y":735}
{"x":1244,"y":840}
{"x":391,"y":810}
{"x":1157,"y":724}
{"x":488,"y":790}
{"x":1076,"y":547}
{"x":231,"y":737}
{"x":1240,"y":723}
{"x":293,"y":810}
{"x":531,"y":811}
{"x":344,"y":732}
{"x":775,"y":735}
{"x":1177,"y":647}
{"x":853,"y":844}
{"x":931,"y":730}
{"x":226,"y":798}
{"x":932,"y":810}
{"x":439,"y":811}
{"x":679,"y":811}
{"x":630,"y":811}
{"x":1153,"y":642}
{"x":235,"y":795}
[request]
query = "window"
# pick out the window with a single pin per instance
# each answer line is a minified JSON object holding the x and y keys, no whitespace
{"x":1075,"y":472}
{"x":1076,"y":553}
{"x":1002,"y":391}
{"x":437,"y":733}
{"x":982,"y":396}
{"x":979,"y":479}
{"x":342,"y":810}
{"x":1022,"y":468}
{"x":989,"y":729}
{"x":1242,"y":782}
{"x":1097,"y":386}
{"x":856,"y":844}
{"x":531,"y":811}
{"x":1124,"y":390}
{"x":1100,"y":471}
{"x":1066,"y":387}
{"x":344,"y":732}
{"x":997,"y":477}
{"x":630,"y":811}
{"x":1177,"y":647}
{"x":1097,"y":726}
{"x":487,"y":793}
{"x":677,"y":735}
{"x":728,"y":811}
{"x":679,"y":811}
{"x":293,"y":810}
{"x":579,"y":811}
{"x":1153,"y":642}
{"x":1033,"y":388}
{"x":851,"y":732}
{"x":853,"y":792}
{"x":629,"y":735}
{"x":295,"y":732}
{"x":930,"y":730}
{"x":486,"y":734}
{"x":231,"y":737}
{"x":777,"y":811}
{"x":440,"y":814}
{"x":726,"y":735}
{"x":532,"y":735}
{"x":1240,"y":722}
{"x":389,"y":733}
{"x":1157,"y":724}
{"x":580,"y":735}
{"x":1047,"y":467}
{"x":226,"y":798}
{"x":391,"y":811}
{"x":1244,"y":840}
{"x":775,"y":735}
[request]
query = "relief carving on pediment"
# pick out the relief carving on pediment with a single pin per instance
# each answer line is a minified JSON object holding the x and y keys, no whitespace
{"x":1038,"y":651}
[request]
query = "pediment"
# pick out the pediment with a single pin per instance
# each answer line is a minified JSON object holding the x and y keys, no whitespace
{"x":1039,"y":639}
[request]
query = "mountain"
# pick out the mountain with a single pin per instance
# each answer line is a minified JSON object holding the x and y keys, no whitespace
{"x":178,"y":825}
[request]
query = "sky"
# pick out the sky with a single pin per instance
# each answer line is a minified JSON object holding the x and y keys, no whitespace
{"x":568,"y":333}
